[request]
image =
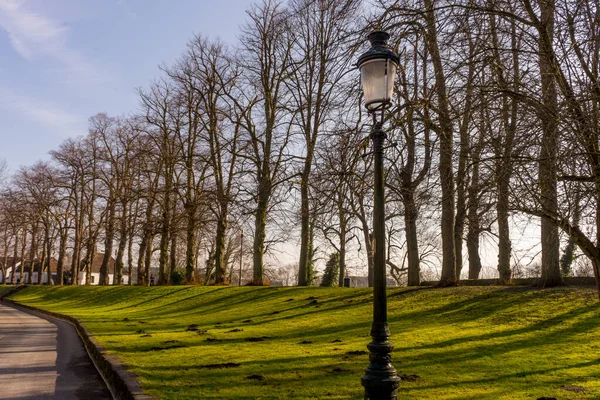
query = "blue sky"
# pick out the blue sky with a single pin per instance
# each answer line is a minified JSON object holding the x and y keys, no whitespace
{"x":62,"y":61}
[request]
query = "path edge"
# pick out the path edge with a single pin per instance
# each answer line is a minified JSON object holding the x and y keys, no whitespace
{"x":122,"y":383}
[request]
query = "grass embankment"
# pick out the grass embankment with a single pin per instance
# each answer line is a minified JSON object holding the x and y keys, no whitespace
{"x":4,"y":289}
{"x":463,"y":343}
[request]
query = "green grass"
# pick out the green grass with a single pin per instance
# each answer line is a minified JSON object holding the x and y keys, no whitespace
{"x":5,"y":289}
{"x":464,"y":343}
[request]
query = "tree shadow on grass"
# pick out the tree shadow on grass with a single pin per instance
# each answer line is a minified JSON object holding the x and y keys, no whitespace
{"x":544,"y":327}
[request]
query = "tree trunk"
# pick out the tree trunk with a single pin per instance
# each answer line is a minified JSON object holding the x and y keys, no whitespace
{"x":260,"y":224}
{"x":473,"y":250}
{"x":368,"y":238}
{"x":42,"y":262}
{"x":89,"y":259}
{"x":221,"y":236}
{"x":172,"y":257}
{"x":548,"y":113}
{"x":5,"y":261}
{"x":448,"y":277}
{"x":23,"y":247}
{"x":108,"y":242}
{"x":123,"y":231}
{"x":343,"y":226}
{"x":303,"y":274}
{"x":15,"y":257}
{"x":62,"y":250}
{"x":143,"y":277}
{"x":76,"y":261}
{"x":130,"y":259}
{"x":33,"y":252}
{"x":145,"y":244}
{"x":473,"y":212}
{"x":148,"y":259}
{"x":412,"y":243}
{"x":45,"y":262}
{"x":164,"y":250}
{"x":504,"y":147}
{"x":165,"y":230}
{"x":310,"y":265}
{"x":190,"y":236}
{"x":566,"y":260}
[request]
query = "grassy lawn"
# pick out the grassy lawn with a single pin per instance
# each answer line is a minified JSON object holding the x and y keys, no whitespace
{"x":5,"y":289}
{"x":307,"y":343}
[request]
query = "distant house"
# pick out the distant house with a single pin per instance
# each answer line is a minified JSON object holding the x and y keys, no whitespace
{"x":7,"y":268}
{"x":95,"y":271}
{"x":30,"y":271}
{"x":363,"y":281}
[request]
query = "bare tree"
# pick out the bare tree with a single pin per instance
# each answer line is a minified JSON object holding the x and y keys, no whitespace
{"x":322,"y":56}
{"x":267,"y":57}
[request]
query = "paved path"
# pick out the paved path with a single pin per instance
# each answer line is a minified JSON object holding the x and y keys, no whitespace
{"x":42,"y":359}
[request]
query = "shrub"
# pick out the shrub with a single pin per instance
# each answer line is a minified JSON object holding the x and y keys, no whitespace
{"x":332,"y":270}
{"x":177,"y":277}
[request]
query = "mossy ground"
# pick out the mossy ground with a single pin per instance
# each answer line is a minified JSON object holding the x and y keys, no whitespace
{"x":463,"y":343}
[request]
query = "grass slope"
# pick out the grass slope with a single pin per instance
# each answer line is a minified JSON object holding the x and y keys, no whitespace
{"x":307,"y":343}
{"x":4,"y":289}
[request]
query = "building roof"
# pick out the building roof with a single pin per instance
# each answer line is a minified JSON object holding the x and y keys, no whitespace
{"x":9,"y":261}
{"x":28,"y":265}
{"x":97,"y":263}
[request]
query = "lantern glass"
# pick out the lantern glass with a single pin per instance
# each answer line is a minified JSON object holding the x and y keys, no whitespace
{"x":377,"y":76}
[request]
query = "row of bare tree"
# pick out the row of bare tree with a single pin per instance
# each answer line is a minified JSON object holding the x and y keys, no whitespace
{"x":497,"y":115}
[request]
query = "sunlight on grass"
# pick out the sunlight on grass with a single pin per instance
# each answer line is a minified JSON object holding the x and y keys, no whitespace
{"x":305,"y":343}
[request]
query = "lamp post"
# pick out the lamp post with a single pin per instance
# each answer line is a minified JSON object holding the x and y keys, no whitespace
{"x":378,"y":69}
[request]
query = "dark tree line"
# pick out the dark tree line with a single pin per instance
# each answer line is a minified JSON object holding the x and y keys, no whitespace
{"x":497,"y":117}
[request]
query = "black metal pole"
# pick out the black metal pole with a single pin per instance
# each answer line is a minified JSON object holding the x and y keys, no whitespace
{"x":380,"y":379}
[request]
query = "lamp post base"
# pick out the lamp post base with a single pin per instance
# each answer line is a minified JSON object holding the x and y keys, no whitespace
{"x":380,"y":380}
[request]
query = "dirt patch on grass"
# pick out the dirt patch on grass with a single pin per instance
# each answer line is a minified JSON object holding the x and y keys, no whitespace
{"x":192,"y":328}
{"x":356,"y":353}
{"x":220,"y":366}
{"x":258,"y":339}
{"x":576,"y":389}
{"x":409,"y":378}
{"x":256,"y":377}
{"x":173,"y":346}
{"x":340,"y":370}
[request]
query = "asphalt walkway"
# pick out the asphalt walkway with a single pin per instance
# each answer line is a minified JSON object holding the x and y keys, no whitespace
{"x":43,"y":358}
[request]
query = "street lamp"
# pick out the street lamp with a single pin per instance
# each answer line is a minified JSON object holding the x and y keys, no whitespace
{"x":377,"y":69}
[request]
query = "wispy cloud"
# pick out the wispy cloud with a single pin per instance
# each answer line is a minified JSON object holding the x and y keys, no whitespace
{"x":31,"y":34}
{"x":35,"y":35}
{"x":45,"y":114}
